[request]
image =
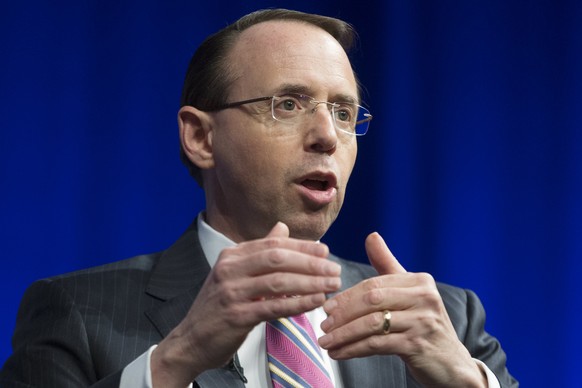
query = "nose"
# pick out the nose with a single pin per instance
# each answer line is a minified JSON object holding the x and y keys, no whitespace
{"x":321,"y":135}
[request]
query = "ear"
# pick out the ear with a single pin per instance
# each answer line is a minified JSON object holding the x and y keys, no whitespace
{"x":196,"y":136}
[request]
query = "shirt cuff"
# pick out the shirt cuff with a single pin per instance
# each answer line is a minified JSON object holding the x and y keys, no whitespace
{"x":492,"y":381}
{"x":138,"y":374}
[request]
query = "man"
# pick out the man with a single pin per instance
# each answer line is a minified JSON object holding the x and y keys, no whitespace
{"x":268,"y":127}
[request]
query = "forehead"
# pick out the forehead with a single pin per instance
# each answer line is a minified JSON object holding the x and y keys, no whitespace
{"x":275,"y":53}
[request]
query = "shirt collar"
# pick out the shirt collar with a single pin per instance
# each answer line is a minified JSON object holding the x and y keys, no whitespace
{"x":212,"y":241}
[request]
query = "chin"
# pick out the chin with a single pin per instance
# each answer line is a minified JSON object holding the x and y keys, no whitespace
{"x":310,"y":229}
{"x":307,"y":235}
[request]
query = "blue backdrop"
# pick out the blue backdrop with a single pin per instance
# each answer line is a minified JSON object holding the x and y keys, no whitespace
{"x":471,"y":170}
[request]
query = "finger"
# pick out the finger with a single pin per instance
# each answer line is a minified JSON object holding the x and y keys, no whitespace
{"x":381,"y":344}
{"x":286,"y":260}
{"x":279,"y":230}
{"x":269,"y":309}
{"x":258,"y":259}
{"x":381,"y":257}
{"x":364,"y":327}
{"x":282,"y":284}
{"x":346,"y":307}
{"x":278,"y":238}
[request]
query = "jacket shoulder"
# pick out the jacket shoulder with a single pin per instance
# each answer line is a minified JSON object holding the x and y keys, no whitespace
{"x":141,"y":263}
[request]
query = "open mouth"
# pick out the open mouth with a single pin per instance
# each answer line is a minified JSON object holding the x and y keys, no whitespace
{"x":319,"y":181}
{"x":316,"y":184}
{"x":318,"y":188}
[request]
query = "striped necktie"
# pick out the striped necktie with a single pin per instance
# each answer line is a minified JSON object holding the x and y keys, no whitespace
{"x":294,"y":356}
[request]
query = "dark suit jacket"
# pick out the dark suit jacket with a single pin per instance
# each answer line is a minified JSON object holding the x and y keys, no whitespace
{"x":82,"y":329}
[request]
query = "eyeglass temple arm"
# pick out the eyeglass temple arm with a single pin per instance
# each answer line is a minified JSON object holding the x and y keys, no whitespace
{"x":368,"y":118}
{"x":239,"y":103}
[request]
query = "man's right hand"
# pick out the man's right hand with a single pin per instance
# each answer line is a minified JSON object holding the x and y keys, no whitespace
{"x":247,"y":286}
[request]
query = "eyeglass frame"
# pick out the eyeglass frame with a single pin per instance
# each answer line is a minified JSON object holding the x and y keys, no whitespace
{"x":311,"y":100}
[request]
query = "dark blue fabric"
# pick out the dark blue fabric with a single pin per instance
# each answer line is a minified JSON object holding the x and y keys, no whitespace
{"x":471,"y":169}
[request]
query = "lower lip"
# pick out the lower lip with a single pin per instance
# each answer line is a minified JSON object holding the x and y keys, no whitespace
{"x":318,"y":197}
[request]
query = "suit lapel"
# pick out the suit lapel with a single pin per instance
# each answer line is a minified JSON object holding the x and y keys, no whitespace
{"x":176,"y":280}
{"x":375,"y":371}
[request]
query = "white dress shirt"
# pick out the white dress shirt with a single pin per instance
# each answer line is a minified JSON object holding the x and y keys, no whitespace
{"x":138,"y":373}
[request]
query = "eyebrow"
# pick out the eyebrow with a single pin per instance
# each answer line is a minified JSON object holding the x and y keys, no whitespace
{"x":302,"y":89}
{"x":294,"y":88}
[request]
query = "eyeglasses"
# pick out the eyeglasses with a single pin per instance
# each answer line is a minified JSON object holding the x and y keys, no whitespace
{"x":293,"y":108}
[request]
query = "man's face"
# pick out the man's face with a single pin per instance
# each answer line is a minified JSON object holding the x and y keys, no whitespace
{"x":267,"y":171}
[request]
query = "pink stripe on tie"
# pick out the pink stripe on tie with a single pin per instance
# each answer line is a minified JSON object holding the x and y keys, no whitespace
{"x":294,"y":355}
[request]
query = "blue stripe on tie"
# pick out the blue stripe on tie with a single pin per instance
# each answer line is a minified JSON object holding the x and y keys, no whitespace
{"x":279,"y":326}
{"x":287,"y":371}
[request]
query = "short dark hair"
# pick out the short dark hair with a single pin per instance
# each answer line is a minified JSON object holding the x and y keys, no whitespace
{"x":209,"y":77}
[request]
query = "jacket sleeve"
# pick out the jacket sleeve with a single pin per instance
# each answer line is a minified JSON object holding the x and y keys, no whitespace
{"x":50,"y":344}
{"x":482,"y":345}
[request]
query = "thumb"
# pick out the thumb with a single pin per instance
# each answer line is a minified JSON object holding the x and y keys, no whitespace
{"x":279,"y":230}
{"x":380,"y":256}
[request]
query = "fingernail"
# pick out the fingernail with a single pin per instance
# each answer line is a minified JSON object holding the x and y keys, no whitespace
{"x":318,"y":299}
{"x":325,"y":340}
{"x":333,"y":269}
{"x":322,"y":250}
{"x":327,"y":324}
{"x":333,"y":283}
{"x":329,"y":305}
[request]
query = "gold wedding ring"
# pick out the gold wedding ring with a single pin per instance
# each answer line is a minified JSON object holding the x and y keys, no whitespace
{"x":386,"y":325}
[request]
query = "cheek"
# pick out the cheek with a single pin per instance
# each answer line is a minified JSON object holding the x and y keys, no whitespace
{"x":241,"y":152}
{"x":348,"y":160}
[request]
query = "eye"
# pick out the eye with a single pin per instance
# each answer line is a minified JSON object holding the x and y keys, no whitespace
{"x":288,"y":102}
{"x":287,"y":107}
{"x":344,"y":113}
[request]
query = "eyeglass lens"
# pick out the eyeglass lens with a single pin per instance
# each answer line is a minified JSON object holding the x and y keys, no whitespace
{"x":347,"y":117}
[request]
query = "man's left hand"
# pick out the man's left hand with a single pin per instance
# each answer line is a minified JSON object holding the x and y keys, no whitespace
{"x":421,"y":333}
